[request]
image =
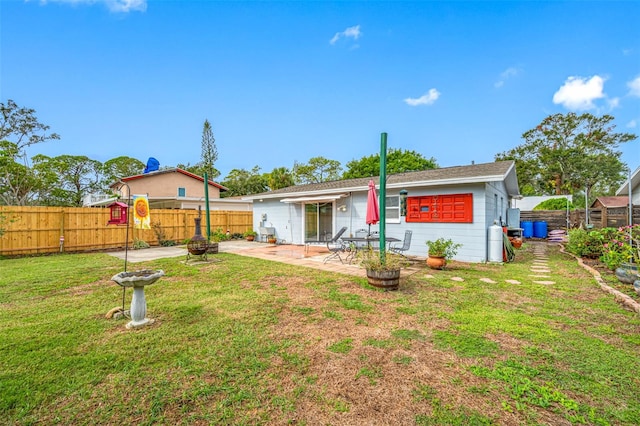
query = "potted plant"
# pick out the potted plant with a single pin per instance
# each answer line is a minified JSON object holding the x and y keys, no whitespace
{"x":382,"y":274}
{"x":271,"y":239}
{"x":250,"y":235}
{"x":439,"y":251}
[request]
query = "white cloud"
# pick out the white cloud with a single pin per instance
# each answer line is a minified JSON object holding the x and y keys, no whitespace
{"x":119,"y":6}
{"x":427,"y":99}
{"x":613,"y":103}
{"x":634,"y":87}
{"x":578,"y":93}
{"x":505,"y":75}
{"x":351,"y":32}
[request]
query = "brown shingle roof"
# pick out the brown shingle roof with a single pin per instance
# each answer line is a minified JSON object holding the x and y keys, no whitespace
{"x":612,"y":201}
{"x":446,"y":175}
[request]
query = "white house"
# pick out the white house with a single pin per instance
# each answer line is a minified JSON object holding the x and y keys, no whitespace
{"x":459,"y":202}
{"x":634,"y":179}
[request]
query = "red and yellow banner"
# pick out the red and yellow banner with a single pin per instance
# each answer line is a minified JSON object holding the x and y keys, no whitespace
{"x":141,"y":216}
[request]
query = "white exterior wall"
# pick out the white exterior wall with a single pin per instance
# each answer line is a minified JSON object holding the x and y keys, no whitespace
{"x":287,"y":218}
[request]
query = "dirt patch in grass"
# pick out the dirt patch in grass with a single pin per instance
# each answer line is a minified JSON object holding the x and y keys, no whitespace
{"x":382,"y":378}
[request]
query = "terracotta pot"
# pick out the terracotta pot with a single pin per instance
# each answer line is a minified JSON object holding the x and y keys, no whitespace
{"x":250,"y":237}
{"x":272,"y":240}
{"x":517,"y":243}
{"x":388,"y":280}
{"x":436,"y":262}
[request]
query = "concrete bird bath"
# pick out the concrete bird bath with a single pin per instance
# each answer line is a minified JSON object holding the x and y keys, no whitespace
{"x":138,"y":280}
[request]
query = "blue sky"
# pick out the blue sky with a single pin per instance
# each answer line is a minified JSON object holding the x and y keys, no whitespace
{"x":282,"y":82}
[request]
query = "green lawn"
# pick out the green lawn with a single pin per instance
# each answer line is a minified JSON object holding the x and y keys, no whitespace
{"x":248,"y":341}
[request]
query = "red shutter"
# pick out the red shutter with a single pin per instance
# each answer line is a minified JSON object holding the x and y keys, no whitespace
{"x":440,"y":208}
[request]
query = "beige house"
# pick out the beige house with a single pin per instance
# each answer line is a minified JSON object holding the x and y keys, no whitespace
{"x":177,"y":189}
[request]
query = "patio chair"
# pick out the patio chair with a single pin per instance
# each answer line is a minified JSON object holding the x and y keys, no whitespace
{"x":336,"y":246}
{"x":361,"y":233}
{"x":405,"y":244}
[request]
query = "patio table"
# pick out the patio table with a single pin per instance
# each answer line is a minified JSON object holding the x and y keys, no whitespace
{"x":354,"y":247}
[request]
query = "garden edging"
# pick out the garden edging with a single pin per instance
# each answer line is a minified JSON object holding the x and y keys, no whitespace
{"x":621,"y":298}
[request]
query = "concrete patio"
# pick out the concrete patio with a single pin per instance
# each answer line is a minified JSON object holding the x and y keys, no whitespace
{"x":311,"y":256}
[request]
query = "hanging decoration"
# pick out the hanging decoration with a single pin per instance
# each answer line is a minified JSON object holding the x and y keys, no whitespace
{"x":141,"y":216}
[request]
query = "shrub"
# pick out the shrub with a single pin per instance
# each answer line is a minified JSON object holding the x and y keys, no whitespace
{"x":585,"y":244}
{"x":554,"y":204}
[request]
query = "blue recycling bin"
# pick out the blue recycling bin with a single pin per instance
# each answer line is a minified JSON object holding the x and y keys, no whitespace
{"x":540,"y":229}
{"x":527,"y":228}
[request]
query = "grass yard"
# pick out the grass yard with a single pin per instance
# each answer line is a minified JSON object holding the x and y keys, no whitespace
{"x":245,"y":341}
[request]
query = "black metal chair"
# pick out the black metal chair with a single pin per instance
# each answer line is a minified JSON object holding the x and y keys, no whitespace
{"x":405,"y":244}
{"x":336,"y":246}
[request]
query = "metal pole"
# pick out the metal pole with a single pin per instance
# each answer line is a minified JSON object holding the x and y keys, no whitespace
{"x":206,"y":200}
{"x":630,"y":201}
{"x":383,"y":195}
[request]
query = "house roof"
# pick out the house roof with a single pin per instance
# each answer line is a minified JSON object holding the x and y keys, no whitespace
{"x":475,"y":173}
{"x":172,"y":170}
{"x":635,"y":180}
{"x":612,"y":201}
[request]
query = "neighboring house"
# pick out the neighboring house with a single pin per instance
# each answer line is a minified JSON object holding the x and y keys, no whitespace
{"x":635,"y":188}
{"x":460,"y":203}
{"x":610,"y":202}
{"x":176,"y":189}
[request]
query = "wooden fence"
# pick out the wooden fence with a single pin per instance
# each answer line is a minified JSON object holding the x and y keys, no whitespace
{"x":33,"y":230}
{"x":599,"y":218}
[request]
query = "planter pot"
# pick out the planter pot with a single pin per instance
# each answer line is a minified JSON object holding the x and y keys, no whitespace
{"x":388,"y":280}
{"x":250,"y":237}
{"x":516,"y":243}
{"x":272,"y":240}
{"x":436,"y":262}
{"x":627,"y":273}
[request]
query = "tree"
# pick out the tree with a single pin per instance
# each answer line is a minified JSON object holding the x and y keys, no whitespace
{"x":244,"y":182}
{"x":19,"y":129}
{"x":71,"y":178}
{"x":19,"y":184}
{"x":120,"y":167}
{"x":555,"y":204}
{"x":319,"y":169}
{"x":280,"y":177}
{"x":209,"y":152}
{"x":568,"y":153}
{"x":398,"y":161}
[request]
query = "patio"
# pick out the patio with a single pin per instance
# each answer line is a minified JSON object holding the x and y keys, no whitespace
{"x":311,"y":256}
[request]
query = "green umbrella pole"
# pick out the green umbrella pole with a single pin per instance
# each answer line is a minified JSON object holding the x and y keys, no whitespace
{"x":383,"y":196}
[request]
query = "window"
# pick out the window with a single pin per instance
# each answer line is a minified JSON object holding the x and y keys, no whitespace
{"x":182,"y":192}
{"x":392,"y":209}
{"x":440,"y":208}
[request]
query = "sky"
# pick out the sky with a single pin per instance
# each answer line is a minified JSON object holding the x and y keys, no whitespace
{"x":282,"y":82}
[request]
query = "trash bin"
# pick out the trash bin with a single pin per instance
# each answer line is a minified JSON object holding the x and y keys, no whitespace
{"x":540,"y":229}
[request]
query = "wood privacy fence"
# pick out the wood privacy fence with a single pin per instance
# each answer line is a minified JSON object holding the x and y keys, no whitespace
{"x":33,"y":230}
{"x":599,"y":218}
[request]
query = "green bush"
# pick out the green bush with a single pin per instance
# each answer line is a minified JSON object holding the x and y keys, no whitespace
{"x":585,"y":244}
{"x":620,"y":245}
{"x":554,"y":204}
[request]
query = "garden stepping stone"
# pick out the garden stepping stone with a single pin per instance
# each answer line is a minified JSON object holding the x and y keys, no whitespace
{"x":487,"y":280}
{"x":512,"y":281}
{"x":458,"y":279}
{"x":428,"y":276}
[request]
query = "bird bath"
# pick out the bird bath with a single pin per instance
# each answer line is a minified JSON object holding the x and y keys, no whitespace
{"x":138,"y":280}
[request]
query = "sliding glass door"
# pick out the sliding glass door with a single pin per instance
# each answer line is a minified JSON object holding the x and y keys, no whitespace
{"x":318,"y":219}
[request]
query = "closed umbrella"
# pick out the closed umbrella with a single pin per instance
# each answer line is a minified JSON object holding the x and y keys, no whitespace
{"x":373,"y":211}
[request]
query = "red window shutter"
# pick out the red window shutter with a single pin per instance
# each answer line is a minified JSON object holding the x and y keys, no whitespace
{"x":440,"y":208}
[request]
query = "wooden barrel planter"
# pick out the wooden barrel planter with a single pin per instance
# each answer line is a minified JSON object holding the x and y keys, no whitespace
{"x":387,"y":280}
